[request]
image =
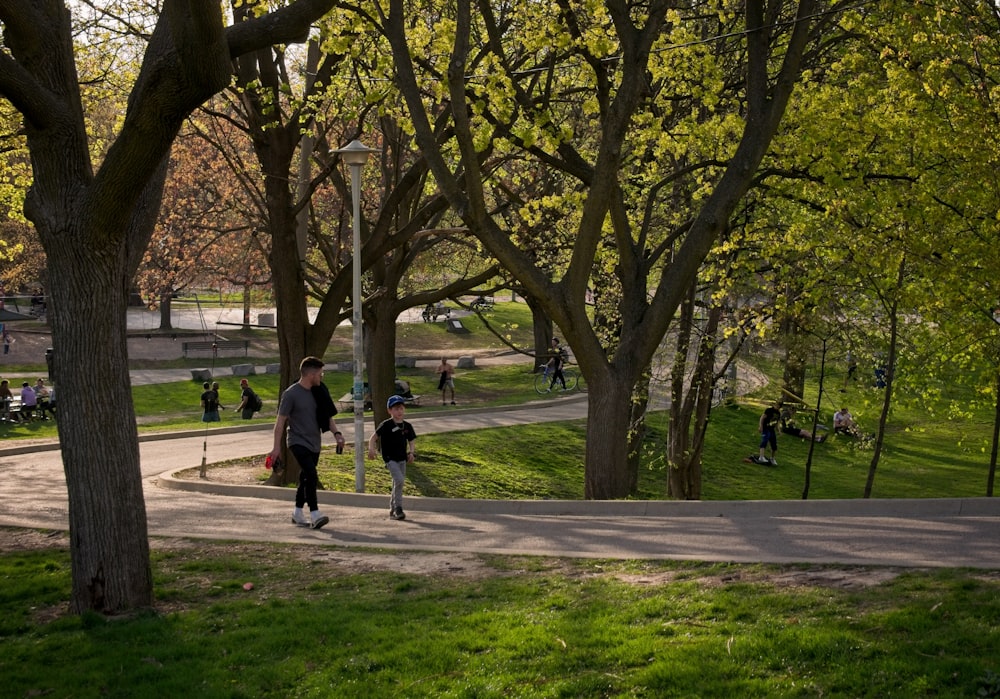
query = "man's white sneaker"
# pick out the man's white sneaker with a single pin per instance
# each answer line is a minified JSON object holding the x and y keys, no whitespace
{"x":319,"y":521}
{"x":300,"y":519}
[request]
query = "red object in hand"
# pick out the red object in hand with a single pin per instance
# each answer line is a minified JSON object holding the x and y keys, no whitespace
{"x":267,"y":462}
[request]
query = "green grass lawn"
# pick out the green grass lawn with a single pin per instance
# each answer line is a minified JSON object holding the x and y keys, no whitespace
{"x":329,"y":622}
{"x":923,"y":457}
{"x":511,"y":320}
{"x":314,"y":625}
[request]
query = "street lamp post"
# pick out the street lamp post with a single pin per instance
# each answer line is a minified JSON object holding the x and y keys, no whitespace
{"x":356,"y":154}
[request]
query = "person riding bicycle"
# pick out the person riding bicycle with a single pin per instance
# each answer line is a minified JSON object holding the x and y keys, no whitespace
{"x":557,"y":357}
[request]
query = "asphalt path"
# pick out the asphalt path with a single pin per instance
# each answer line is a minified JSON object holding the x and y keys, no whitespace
{"x":962,"y":532}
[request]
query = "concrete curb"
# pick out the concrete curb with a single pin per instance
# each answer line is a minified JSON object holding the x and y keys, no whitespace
{"x":730,"y":509}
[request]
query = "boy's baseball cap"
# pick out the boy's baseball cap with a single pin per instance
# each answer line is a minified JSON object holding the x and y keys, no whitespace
{"x":394,"y":400}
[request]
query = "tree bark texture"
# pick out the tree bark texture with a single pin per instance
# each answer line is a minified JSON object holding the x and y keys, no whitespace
{"x":541,"y":330}
{"x":606,"y":472}
{"x":109,"y":543}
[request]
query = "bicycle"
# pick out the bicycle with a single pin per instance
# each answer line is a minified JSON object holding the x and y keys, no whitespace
{"x":544,"y":379}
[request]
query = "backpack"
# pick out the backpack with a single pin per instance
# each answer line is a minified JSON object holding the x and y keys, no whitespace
{"x":255,"y":403}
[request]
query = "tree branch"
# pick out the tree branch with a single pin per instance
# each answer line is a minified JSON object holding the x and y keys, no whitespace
{"x":34,"y":102}
{"x":287,"y":25}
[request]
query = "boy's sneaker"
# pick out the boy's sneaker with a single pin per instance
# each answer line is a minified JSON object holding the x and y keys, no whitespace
{"x":397,"y":514}
{"x":300,"y":519}
{"x":773,"y":461}
{"x":319,"y":521}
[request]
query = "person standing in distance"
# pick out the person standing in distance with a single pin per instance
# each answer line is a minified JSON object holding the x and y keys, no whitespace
{"x":297,"y":413}
{"x":395,"y":436}
{"x":248,"y":401}
{"x":768,"y":428}
{"x":447,"y":381}
{"x":209,"y":404}
{"x":557,"y":358}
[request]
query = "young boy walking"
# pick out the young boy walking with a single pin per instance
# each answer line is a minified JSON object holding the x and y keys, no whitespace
{"x":395,"y":437}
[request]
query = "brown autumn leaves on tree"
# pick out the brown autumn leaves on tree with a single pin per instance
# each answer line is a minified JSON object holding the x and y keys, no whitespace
{"x":207,"y":229}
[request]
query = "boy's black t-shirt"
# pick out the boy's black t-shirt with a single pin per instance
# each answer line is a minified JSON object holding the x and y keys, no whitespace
{"x":211,"y":399}
{"x":392,"y":439}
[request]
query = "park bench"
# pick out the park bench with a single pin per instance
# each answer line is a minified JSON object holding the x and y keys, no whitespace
{"x":483,"y":304}
{"x":431,"y":312}
{"x":215,"y":346}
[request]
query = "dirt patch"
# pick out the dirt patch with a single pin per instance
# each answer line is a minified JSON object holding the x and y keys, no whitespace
{"x":31,"y":540}
{"x":249,"y":472}
{"x":450,"y":565}
{"x":850,"y":578}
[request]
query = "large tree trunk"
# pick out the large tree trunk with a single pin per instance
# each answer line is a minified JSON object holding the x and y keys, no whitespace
{"x":166,"y":304}
{"x":289,"y":300}
{"x":98,"y":437}
{"x":380,"y":349}
{"x":541,"y":327}
{"x":609,"y":402}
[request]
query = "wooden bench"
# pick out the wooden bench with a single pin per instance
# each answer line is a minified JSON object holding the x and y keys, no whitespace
{"x":431,"y":313}
{"x":215,"y":346}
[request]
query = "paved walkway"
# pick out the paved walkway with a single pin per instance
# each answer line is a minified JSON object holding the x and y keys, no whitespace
{"x":932,"y":533}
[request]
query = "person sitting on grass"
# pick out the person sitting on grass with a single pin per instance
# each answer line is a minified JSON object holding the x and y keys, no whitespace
{"x":789,"y":427}
{"x":843,"y":423}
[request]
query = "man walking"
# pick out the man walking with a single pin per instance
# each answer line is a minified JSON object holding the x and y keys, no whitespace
{"x":297,"y":413}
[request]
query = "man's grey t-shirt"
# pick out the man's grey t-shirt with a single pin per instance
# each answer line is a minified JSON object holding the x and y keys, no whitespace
{"x":298,"y":404}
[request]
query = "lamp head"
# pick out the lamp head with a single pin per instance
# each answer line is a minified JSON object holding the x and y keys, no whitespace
{"x":355,"y":152}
